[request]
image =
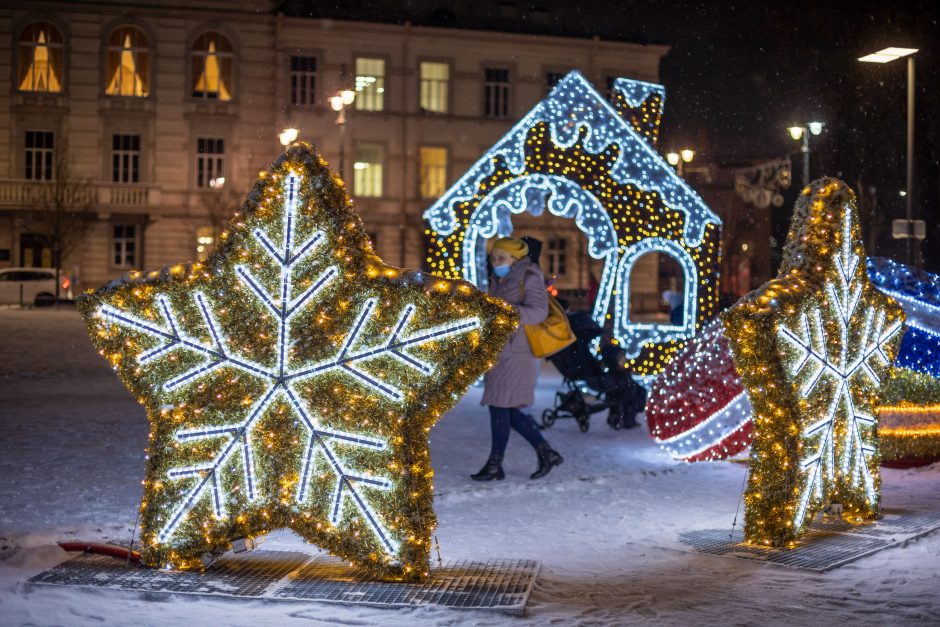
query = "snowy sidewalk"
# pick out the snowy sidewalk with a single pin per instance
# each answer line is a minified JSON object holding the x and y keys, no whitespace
{"x":605,"y":525}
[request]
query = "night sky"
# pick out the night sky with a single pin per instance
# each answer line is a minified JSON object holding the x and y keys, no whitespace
{"x":739,"y":73}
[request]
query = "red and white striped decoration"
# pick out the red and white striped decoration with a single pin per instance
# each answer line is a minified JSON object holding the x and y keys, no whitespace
{"x":698,"y":410}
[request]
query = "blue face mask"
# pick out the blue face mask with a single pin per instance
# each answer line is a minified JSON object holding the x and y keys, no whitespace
{"x":502,"y":271}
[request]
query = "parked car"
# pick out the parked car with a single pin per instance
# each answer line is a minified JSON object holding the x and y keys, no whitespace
{"x":32,"y":286}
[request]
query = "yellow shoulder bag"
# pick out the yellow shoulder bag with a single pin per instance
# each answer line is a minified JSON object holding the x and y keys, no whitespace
{"x":552,"y":334}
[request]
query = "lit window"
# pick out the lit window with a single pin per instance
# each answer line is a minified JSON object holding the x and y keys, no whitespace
{"x":125,"y":158}
{"x":557,"y":255}
{"x":39,"y":156}
{"x":212,"y":67}
{"x":435,"y":78}
{"x":124,"y":246}
{"x":496,"y":93}
{"x":303,"y":80}
{"x":210,"y":161}
{"x":368,"y":167}
{"x":433,"y":173}
{"x":370,"y":84}
{"x":205,"y":242}
{"x":128,"y":63}
{"x":41,"y":55}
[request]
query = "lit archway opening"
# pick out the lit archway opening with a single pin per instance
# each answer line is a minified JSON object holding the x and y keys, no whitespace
{"x":634,"y":332}
{"x":533,"y":194}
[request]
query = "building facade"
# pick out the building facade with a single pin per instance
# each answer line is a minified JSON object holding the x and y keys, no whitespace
{"x":155,"y":118}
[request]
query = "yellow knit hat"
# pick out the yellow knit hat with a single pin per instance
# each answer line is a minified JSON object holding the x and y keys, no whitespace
{"x":516,"y":248}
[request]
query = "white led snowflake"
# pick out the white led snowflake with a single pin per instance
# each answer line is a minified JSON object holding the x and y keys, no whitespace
{"x":837,"y":362}
{"x":281,"y":379}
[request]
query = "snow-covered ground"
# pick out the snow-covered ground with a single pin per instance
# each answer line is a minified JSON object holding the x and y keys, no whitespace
{"x":605,"y":524}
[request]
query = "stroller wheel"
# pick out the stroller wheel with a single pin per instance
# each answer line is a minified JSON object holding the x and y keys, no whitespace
{"x":584,"y":423}
{"x":548,"y":418}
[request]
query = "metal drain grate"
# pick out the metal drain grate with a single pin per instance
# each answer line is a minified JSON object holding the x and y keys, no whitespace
{"x":828,"y":544}
{"x":502,"y":585}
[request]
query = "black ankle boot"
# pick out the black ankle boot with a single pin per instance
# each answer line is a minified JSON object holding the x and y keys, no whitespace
{"x":492,"y":470}
{"x":547,"y":459}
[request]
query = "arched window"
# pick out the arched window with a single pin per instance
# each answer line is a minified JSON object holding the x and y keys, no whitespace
{"x":212,"y":67}
{"x":128,"y":63}
{"x":41,"y":58}
{"x":657,"y":289}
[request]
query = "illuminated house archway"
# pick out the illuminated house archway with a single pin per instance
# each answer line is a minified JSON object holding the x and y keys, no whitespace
{"x":594,"y":162}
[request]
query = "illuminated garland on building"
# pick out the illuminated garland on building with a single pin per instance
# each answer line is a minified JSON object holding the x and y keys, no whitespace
{"x":698,"y":409}
{"x":812,"y":348}
{"x":291,"y":381}
{"x":577,"y":156}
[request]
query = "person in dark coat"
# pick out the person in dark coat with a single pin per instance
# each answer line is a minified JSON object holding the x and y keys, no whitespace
{"x":628,"y":396}
{"x":510,"y":384}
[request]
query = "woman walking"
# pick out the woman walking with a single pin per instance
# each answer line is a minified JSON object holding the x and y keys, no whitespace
{"x":510,"y":385}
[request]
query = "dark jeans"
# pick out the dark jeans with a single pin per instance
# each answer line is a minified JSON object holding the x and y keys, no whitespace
{"x":502,"y":418}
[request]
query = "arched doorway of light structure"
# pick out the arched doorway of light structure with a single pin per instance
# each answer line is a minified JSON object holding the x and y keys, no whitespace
{"x":534,"y":194}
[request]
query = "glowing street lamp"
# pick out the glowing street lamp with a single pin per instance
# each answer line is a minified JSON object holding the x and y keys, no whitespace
{"x":677,"y":159}
{"x":288,"y":136}
{"x":803,"y":132}
{"x":886,"y":56}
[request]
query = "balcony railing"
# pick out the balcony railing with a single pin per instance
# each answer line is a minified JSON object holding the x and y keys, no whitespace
{"x":19,"y":193}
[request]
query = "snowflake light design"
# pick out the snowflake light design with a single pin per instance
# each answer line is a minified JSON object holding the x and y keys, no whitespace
{"x":812,"y":348}
{"x":292,"y":381}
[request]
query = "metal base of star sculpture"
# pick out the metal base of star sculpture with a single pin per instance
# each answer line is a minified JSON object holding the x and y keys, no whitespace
{"x":288,"y":577}
{"x":291,"y":380}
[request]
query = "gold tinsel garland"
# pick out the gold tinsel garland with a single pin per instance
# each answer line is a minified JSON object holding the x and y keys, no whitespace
{"x":796,"y":341}
{"x":910,"y":417}
{"x":243,"y":426}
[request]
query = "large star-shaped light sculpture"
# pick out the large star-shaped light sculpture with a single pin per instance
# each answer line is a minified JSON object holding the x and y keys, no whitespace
{"x":812,"y":347}
{"x":292,"y":379}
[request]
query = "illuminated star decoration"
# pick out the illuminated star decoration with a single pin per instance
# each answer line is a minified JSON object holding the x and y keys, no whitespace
{"x":813,"y":347}
{"x":292,"y":379}
{"x":575,"y":155}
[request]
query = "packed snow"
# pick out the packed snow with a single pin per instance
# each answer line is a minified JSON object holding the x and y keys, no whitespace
{"x":605,"y":524}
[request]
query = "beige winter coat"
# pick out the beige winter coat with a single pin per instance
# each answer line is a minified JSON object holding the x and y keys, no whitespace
{"x":511,"y":382}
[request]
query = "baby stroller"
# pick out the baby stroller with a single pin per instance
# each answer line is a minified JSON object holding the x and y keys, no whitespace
{"x":605,"y":379}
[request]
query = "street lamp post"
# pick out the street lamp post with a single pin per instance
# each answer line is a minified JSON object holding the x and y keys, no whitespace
{"x":886,"y":56}
{"x":677,"y":159}
{"x":803,"y":132}
{"x":338,"y":103}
